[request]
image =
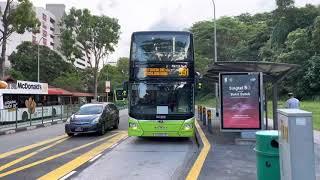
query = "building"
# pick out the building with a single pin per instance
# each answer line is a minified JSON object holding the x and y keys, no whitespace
{"x":50,"y":19}
{"x":58,"y":10}
{"x":45,"y":37}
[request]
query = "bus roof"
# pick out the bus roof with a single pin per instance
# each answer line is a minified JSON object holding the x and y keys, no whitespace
{"x":161,"y":32}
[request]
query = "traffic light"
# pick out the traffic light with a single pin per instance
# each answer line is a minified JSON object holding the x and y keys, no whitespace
{"x":199,"y":85}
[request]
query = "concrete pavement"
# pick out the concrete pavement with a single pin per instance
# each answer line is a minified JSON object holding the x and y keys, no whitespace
{"x":47,"y":153}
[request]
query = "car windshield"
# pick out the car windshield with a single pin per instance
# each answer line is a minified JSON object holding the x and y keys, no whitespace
{"x":90,"y":109}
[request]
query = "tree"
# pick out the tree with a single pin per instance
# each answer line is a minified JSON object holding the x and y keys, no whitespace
{"x":71,"y":81}
{"x":18,"y":16}
{"x":89,"y":37}
{"x":116,"y":74}
{"x":24,"y":63}
{"x":123,"y":66}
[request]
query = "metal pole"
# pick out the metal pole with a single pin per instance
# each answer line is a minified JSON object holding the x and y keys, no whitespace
{"x":275,"y":105}
{"x":215,"y":53}
{"x":42,"y":114}
{"x":39,"y":59}
{"x":38,"y":63}
{"x":16,"y":117}
{"x":215,"y":32}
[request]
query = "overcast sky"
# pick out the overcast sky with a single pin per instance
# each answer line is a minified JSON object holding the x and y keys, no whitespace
{"x":138,"y":15}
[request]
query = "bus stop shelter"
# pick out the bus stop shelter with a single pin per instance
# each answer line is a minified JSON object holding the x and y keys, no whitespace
{"x":273,"y":73}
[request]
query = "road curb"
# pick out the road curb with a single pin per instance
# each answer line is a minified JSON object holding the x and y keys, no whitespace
{"x":28,"y":128}
{"x":205,"y":146}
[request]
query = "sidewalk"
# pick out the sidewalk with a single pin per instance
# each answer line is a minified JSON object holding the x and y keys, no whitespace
{"x":229,"y":161}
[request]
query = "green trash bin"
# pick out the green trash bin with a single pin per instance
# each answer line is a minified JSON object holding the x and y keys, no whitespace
{"x":267,"y":151}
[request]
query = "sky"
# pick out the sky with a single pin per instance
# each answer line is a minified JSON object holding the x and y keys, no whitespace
{"x":144,"y":15}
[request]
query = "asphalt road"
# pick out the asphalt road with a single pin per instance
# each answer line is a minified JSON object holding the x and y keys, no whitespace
{"x":47,"y":153}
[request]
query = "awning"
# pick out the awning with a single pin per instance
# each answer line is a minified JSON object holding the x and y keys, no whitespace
{"x":272,"y":72}
{"x":80,"y":94}
{"x":58,"y":91}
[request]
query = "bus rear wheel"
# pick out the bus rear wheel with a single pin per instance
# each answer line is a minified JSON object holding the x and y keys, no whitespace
{"x":70,"y":134}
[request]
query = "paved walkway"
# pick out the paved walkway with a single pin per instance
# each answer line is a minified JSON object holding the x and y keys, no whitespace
{"x":229,"y":161}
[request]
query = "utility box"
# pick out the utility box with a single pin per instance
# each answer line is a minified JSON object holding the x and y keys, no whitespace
{"x":296,"y":146}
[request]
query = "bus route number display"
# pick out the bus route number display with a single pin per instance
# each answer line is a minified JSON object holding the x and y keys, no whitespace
{"x":166,"y":72}
{"x":240,"y":101}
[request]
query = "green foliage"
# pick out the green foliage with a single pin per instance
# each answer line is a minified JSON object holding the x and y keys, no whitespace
{"x":288,"y":34}
{"x":17,"y":16}
{"x":89,"y":37}
{"x":24,"y":63}
{"x":116,"y":74}
{"x":22,"y":17}
{"x":16,"y":74}
{"x":72,"y":81}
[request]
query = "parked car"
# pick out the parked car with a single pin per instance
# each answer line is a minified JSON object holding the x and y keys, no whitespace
{"x":93,"y":117}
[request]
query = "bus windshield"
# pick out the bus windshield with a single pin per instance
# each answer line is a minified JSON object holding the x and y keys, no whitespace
{"x":161,"y":47}
{"x":161,"y":100}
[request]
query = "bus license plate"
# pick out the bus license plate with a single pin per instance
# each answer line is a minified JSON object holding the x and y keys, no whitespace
{"x":160,"y":134}
{"x":78,"y":129}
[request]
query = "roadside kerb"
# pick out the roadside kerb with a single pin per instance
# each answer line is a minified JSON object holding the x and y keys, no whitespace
{"x":205,"y":148}
{"x":35,"y":126}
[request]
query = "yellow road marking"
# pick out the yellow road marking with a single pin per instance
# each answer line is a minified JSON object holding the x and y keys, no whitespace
{"x":52,"y":157}
{"x":70,"y":166}
{"x":30,"y":155}
{"x":196,"y":168}
{"x":16,"y":151}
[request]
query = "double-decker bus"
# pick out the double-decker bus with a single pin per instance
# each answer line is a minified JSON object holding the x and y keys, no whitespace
{"x":161,"y":84}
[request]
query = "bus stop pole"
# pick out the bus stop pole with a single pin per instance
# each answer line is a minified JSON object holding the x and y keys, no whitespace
{"x":275,"y":105}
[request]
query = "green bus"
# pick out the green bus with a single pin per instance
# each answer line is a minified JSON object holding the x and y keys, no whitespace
{"x":161,"y":84}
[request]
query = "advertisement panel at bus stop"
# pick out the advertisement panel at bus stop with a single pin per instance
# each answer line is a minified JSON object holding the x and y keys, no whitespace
{"x":240,"y":101}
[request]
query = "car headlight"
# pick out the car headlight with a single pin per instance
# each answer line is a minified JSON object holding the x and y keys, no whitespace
{"x":188,"y":126}
{"x":68,"y":120}
{"x":95,"y":121}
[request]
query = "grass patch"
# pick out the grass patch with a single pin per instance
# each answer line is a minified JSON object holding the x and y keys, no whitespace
{"x":311,"y":106}
{"x":207,"y":100}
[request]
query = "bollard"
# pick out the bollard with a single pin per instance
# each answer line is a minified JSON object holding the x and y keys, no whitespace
{"x":209,"y":121}
{"x":204,"y":116}
{"x":200,"y":113}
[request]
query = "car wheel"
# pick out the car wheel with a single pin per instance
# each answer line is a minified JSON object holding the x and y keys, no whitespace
{"x":103,"y":129}
{"x":116,"y":126}
{"x":70,"y":134}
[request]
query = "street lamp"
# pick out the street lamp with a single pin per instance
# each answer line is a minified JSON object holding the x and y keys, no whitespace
{"x":215,"y":53}
{"x":39,"y":59}
{"x":215,"y":31}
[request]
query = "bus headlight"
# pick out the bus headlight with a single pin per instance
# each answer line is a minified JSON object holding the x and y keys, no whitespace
{"x":188,"y":126}
{"x":133,"y":125}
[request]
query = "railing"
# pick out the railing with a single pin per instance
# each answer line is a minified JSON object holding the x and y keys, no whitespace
{"x":20,"y":117}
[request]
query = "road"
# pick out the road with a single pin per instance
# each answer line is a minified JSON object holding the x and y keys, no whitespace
{"x":47,"y":153}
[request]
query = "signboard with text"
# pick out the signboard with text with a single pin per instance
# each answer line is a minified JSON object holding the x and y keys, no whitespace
{"x":108,"y":87}
{"x":240,"y":101}
{"x":26,"y":87}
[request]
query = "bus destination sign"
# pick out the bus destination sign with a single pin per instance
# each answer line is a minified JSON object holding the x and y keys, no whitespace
{"x":167,"y":72}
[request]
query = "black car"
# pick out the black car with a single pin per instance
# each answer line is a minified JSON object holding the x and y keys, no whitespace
{"x":94,"y":117}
